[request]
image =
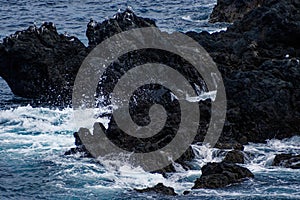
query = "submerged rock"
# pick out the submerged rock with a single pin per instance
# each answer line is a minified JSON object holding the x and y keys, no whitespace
{"x":218,"y":175}
{"x":159,"y":188}
{"x":287,"y":160}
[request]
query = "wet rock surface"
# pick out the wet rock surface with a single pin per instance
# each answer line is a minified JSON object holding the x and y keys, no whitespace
{"x":218,"y":175}
{"x":129,"y":144}
{"x":234,"y":156}
{"x":159,"y":188}
{"x":98,"y":32}
{"x":287,"y":160}
{"x":258,"y":57}
{"x":230,"y":145}
{"x":232,"y":10}
{"x":79,"y":149}
{"x":39,"y":63}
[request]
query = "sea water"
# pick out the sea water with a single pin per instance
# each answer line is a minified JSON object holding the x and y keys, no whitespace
{"x":34,"y":139}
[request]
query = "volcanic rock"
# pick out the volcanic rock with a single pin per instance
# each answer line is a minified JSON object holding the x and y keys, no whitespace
{"x":218,"y":175}
{"x":234,"y":156}
{"x":80,"y":148}
{"x":40,"y":63}
{"x":258,"y":57}
{"x":159,"y":188}
{"x":97,"y":32}
{"x":287,"y":160}
{"x":232,"y":10}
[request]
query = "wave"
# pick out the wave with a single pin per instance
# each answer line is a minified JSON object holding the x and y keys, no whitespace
{"x":33,"y":140}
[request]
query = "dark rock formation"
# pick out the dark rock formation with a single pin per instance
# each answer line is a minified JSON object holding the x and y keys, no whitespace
{"x":268,"y":100}
{"x":131,"y":144}
{"x":97,"y":32}
{"x":234,"y":156}
{"x":261,"y":82}
{"x":287,"y":160}
{"x":186,"y":192}
{"x":230,"y":145}
{"x":217,"y":175}
{"x":258,"y":57}
{"x":40,"y":63}
{"x":231,"y":10}
{"x":160,"y":189}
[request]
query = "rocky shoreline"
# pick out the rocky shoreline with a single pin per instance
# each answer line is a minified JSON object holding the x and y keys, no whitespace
{"x":258,"y":57}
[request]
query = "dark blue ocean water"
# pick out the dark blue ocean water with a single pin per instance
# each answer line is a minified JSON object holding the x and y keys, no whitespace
{"x":33,"y":140}
{"x":73,"y":16}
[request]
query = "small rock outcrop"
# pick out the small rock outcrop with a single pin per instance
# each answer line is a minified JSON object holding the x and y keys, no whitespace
{"x":160,"y":189}
{"x":234,"y":156}
{"x":80,"y":148}
{"x":287,"y":160}
{"x":218,"y":175}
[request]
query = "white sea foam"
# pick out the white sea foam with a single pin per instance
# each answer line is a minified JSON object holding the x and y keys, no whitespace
{"x":27,"y":131}
{"x":187,"y":18}
{"x":261,"y":156}
{"x":203,"y":96}
{"x":31,"y":133}
{"x":190,"y":19}
{"x":43,"y":134}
